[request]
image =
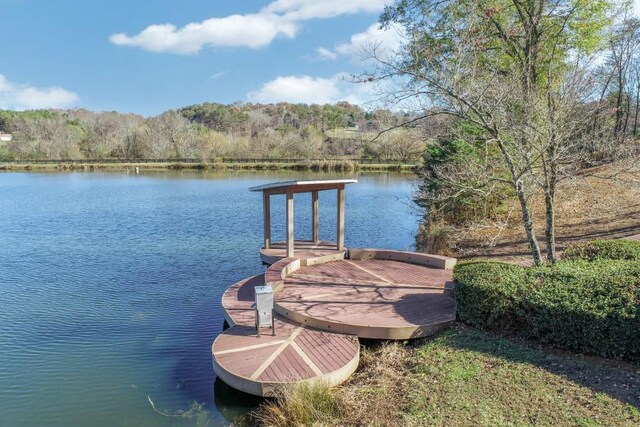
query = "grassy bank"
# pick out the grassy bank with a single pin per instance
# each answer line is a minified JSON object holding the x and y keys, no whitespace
{"x":299,"y":166}
{"x":468,"y":378}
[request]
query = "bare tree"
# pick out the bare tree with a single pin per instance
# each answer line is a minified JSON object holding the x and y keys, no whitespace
{"x":623,"y":46}
{"x":486,"y":68}
{"x":173,"y":135}
{"x":47,"y":137}
{"x":407,"y":146}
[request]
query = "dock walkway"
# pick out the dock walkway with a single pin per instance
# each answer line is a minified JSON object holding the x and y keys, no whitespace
{"x":323,"y":304}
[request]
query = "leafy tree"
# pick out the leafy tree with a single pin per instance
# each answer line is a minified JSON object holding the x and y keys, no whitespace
{"x":507,"y":68}
{"x":219,"y":117}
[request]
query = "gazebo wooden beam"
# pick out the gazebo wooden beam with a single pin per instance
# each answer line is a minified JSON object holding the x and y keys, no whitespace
{"x":290,"y":238}
{"x":267,"y":220}
{"x":301,"y":189}
{"x":340,"y":221}
{"x":315,"y":217}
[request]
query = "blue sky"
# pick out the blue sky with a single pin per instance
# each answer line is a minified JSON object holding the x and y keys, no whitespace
{"x":147,"y":56}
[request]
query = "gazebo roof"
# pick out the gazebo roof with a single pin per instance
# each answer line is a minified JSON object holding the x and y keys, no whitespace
{"x":303,"y":186}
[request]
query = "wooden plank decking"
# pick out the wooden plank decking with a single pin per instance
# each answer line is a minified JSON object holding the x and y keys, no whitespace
{"x":258,"y":365}
{"x":303,"y":249}
{"x":323,"y":305}
{"x":369,"y":298}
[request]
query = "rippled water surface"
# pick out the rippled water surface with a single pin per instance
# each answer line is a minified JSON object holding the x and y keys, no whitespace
{"x":110,"y":286}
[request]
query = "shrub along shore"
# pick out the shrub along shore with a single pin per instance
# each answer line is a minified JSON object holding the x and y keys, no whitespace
{"x":589,"y":302}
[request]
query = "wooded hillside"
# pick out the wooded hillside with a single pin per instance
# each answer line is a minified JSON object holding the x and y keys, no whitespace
{"x":209,"y":131}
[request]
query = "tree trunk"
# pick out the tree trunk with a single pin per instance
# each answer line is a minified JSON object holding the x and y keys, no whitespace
{"x":550,"y":168}
{"x":528,"y":224}
{"x":550,"y":233}
{"x":626,"y":117}
{"x":618,"y":124}
{"x":635,"y":118}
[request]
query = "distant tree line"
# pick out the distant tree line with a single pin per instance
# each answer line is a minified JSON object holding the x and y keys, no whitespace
{"x":211,"y":131}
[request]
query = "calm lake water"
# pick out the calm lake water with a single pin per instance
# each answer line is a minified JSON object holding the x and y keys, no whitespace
{"x":110,"y":286}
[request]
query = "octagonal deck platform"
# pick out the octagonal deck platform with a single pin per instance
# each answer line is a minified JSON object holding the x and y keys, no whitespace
{"x":303,"y":249}
{"x":380,"y":299}
{"x":259,"y":364}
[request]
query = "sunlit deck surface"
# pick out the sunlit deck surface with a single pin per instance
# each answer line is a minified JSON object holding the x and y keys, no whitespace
{"x":379,"y":299}
{"x":303,"y":249}
{"x":258,"y":365}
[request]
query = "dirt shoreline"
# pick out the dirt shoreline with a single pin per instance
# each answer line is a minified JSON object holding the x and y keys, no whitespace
{"x":312,"y":166}
{"x":602,"y":203}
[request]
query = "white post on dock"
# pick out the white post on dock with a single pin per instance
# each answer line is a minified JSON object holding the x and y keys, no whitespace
{"x":290,"y":239}
{"x":340,"y":230}
{"x":315,"y":216}
{"x":267,"y":220}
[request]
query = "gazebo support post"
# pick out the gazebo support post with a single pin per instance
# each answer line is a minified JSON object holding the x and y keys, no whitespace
{"x":315,"y":216}
{"x":267,"y":220}
{"x":340,"y":222}
{"x":290,"y":239}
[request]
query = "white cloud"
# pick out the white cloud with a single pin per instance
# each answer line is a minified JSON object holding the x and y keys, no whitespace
{"x":386,"y":42}
{"x":4,"y":84}
{"x":325,"y":53}
{"x":312,"y":90}
{"x":300,"y":10}
{"x":280,"y":18}
{"x":253,"y":31}
{"x":53,"y":97}
{"x":218,"y":75}
{"x":21,"y":97}
{"x":303,"y":89}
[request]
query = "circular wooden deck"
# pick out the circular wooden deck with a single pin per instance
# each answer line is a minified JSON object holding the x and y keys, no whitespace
{"x":374,"y":298}
{"x":303,"y":249}
{"x":258,"y":365}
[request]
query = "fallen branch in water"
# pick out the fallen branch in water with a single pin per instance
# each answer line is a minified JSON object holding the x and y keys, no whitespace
{"x":161,"y":412}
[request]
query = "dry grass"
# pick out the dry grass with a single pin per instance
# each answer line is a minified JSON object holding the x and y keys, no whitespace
{"x":373,"y":396}
{"x":467,"y":378}
{"x":301,"y":405}
{"x":376,"y":392}
{"x":602,"y":203}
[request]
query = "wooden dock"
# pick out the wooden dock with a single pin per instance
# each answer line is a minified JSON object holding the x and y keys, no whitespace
{"x":324,"y":298}
{"x":323,"y":305}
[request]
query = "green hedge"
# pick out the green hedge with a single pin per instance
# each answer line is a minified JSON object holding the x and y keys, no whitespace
{"x":604,"y":249}
{"x":590,"y":307}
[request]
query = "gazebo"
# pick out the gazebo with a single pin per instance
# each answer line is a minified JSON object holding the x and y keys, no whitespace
{"x":271,"y":252}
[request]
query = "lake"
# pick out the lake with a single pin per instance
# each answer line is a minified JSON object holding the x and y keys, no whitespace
{"x":110,"y":286}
